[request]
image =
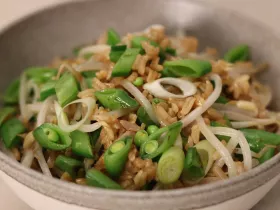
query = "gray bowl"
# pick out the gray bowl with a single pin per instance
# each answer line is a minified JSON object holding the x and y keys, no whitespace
{"x":55,"y":31}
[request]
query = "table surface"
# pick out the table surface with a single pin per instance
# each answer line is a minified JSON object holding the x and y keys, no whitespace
{"x":263,"y":11}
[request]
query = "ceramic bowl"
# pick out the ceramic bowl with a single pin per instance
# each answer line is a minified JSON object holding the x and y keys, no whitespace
{"x":36,"y":39}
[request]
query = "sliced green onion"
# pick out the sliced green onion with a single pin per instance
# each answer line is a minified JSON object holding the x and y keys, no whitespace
{"x":89,"y":82}
{"x":188,"y":67}
{"x":150,"y":146}
{"x":98,"y":179}
{"x":81,"y":144}
{"x":206,"y":152}
{"x":116,"y":52}
{"x":143,"y":117}
{"x":113,"y":37}
{"x":47,"y":89}
{"x":88,"y":76}
{"x":238,"y":53}
{"x":125,"y":63}
{"x":40,"y":74}
{"x":166,"y":73}
{"x":171,"y":51}
{"x":5,"y":113}
{"x":220,"y":137}
{"x":138,"y":81}
{"x":9,"y":132}
{"x":140,"y":137}
{"x":116,"y":156}
{"x":67,"y":164}
{"x":267,"y":155}
{"x":170,"y":165}
{"x":51,"y":135}
{"x":115,"y":99}
{"x":136,"y":41}
{"x":119,"y":145}
{"x":46,"y":135}
{"x":159,"y":132}
{"x":11,"y":94}
{"x":257,"y":139}
{"x":66,"y":89}
{"x":172,"y":131}
{"x":94,"y":136}
{"x":193,"y":169}
{"x":222,"y":100}
{"x":152,"y":129}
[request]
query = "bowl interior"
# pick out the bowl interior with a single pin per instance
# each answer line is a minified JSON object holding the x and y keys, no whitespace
{"x":37,"y":39}
{"x":40,"y":38}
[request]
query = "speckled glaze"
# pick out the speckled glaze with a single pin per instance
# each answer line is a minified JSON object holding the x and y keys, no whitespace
{"x":40,"y":37}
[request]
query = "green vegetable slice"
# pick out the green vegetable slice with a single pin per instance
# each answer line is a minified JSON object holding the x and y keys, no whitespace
{"x":206,"y":152}
{"x":6,"y":112}
{"x":257,"y":139}
{"x":116,"y":156}
{"x":115,"y":99}
{"x":170,"y":165}
{"x":113,"y":37}
{"x":136,"y":41}
{"x":152,"y":129}
{"x":94,"y":136}
{"x":220,"y":137}
{"x":98,"y":179}
{"x":66,"y":89}
{"x":238,"y":53}
{"x":143,"y":117}
{"x":40,"y":74}
{"x":150,"y":146}
{"x":140,"y":137}
{"x":188,"y":67}
{"x":193,"y":168}
{"x":116,"y":52}
{"x":47,"y":90}
{"x":11,"y":94}
{"x":50,"y":136}
{"x":124,"y":64}
{"x":9,"y":132}
{"x":81,"y":144}
{"x":67,"y":164}
{"x":267,"y":155}
{"x":172,"y":131}
{"x":167,"y":73}
{"x":138,"y":81}
{"x":88,"y":76}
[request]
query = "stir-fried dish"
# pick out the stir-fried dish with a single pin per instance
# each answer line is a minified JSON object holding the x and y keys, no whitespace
{"x":141,"y":112}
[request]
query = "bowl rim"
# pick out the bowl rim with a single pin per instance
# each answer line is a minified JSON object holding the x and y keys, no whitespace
{"x":13,"y":169}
